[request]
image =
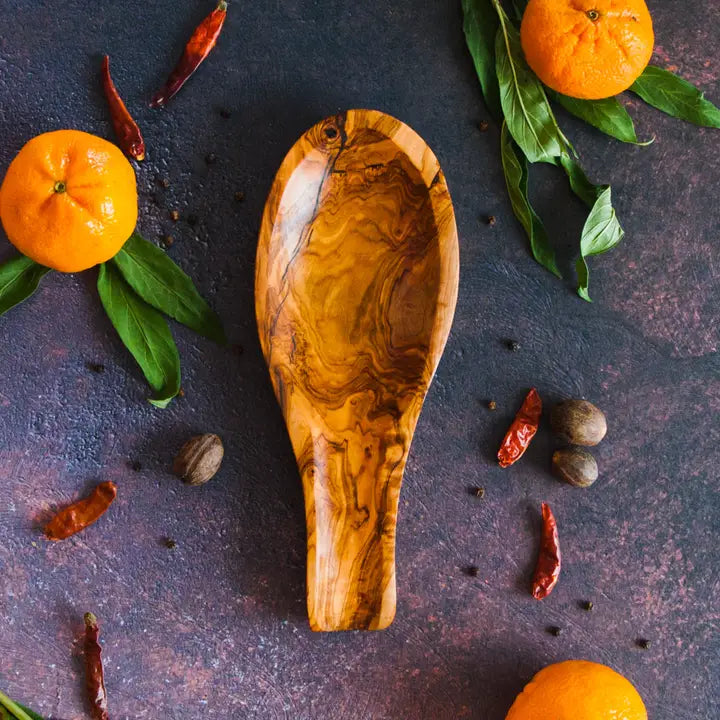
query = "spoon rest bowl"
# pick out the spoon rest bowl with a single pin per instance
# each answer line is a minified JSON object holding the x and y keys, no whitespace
{"x":355,"y":289}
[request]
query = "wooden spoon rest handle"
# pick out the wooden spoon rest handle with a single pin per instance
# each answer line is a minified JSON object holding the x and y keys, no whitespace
{"x":351,"y":503}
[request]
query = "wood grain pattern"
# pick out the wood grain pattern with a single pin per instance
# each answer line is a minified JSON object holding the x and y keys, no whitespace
{"x":356,"y":283}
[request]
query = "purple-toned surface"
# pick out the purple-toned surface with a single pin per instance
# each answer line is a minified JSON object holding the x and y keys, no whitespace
{"x":216,"y":627}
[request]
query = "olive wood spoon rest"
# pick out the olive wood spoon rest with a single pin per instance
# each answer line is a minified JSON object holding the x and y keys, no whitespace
{"x":355,"y":289}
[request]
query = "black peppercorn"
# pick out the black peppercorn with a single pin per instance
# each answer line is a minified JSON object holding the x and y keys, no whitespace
{"x":169,"y":543}
{"x":587,"y":605}
{"x":224,"y":113}
{"x":643,"y":643}
{"x":477,"y":491}
{"x":472,"y":570}
{"x":239,"y":196}
{"x":135,"y":465}
{"x":513,"y":345}
{"x":96,"y":367}
{"x":491,"y":220}
{"x":483,"y":125}
{"x":492,"y":405}
{"x":210,"y":158}
{"x":554,"y":630}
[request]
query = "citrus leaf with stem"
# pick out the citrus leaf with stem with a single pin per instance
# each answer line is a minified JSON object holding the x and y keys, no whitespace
{"x":144,"y":333}
{"x":16,"y":710}
{"x":607,"y":115}
{"x":677,"y":97}
{"x":19,"y":279}
{"x":599,"y":199}
{"x":519,"y":8}
{"x":31,"y":713}
{"x":527,"y":111}
{"x":162,"y":284}
{"x":516,"y":178}
{"x":480,"y":24}
{"x":601,"y":233}
{"x":587,"y":191}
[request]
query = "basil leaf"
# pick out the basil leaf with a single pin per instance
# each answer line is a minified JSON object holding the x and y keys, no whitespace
{"x":587,"y":191}
{"x":162,"y":284}
{"x":601,"y":233}
{"x":607,"y":115}
{"x":144,"y":333}
{"x":516,"y":178}
{"x":480,"y":24}
{"x":675,"y":96}
{"x":527,"y":111}
{"x":19,"y":279}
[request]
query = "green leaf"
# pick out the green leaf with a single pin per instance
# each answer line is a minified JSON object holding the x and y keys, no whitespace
{"x":519,"y":8}
{"x":162,"y":284}
{"x":587,"y":191}
{"x":602,"y":230}
{"x":19,"y":279}
{"x":675,"y":96}
{"x":601,"y":233}
{"x":480,"y":23}
{"x":607,"y":115}
{"x":144,"y":332}
{"x":15,"y":710}
{"x":516,"y":177}
{"x":33,"y":715}
{"x":529,"y":117}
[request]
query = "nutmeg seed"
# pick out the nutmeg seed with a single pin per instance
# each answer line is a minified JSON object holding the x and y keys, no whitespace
{"x":578,"y":422}
{"x":575,"y":466}
{"x":199,"y":459}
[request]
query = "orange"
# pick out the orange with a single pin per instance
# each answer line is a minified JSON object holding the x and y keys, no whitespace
{"x":69,"y":200}
{"x":578,"y":690}
{"x":589,"y":49}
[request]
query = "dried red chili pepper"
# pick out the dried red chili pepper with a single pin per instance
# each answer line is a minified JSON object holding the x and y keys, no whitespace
{"x":128,"y":133}
{"x":522,"y":430}
{"x":94,"y":676}
{"x":547,"y":570}
{"x":197,"y":49}
{"x":79,"y":515}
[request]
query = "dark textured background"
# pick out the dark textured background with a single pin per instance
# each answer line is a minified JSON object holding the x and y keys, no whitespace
{"x":217,"y":628}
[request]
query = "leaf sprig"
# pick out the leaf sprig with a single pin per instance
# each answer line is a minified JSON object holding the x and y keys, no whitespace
{"x":531,"y":134}
{"x":136,"y":287}
{"x":11,"y":710}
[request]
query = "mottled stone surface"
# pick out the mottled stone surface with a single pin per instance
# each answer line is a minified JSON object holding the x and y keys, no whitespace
{"x":216,"y":628}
